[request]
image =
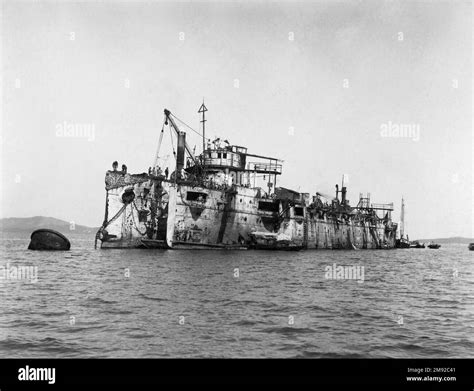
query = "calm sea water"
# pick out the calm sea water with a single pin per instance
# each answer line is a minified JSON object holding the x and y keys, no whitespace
{"x":149,"y":303}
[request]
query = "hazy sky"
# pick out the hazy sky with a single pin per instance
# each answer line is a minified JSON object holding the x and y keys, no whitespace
{"x":312,"y":83}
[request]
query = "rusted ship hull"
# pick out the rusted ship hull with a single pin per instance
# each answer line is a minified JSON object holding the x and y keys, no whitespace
{"x":163,"y":214}
{"x":213,"y":201}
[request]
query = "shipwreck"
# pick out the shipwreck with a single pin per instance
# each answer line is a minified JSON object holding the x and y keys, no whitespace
{"x":213,"y":201}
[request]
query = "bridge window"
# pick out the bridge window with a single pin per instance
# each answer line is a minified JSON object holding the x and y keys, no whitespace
{"x":224,"y":155}
{"x":219,"y":155}
{"x":196,"y":196}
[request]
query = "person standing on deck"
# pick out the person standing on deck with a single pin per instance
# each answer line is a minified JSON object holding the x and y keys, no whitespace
{"x":114,"y":167}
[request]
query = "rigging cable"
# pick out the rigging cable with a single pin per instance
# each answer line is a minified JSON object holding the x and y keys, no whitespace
{"x":185,"y":124}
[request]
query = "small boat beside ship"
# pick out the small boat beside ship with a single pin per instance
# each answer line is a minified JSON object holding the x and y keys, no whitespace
{"x":471,"y":246}
{"x":434,"y":245}
{"x":402,"y":242}
{"x":272,"y":241}
{"x":416,"y":244}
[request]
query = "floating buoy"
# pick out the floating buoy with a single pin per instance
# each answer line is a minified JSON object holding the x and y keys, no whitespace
{"x":48,"y":239}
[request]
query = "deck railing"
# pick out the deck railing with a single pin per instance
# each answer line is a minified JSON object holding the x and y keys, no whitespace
{"x":265,"y":167}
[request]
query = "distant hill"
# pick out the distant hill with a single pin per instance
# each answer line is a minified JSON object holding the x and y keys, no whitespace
{"x":456,"y":239}
{"x":29,"y":224}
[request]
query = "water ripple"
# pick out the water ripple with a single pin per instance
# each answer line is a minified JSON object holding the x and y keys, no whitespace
{"x":190,"y":304}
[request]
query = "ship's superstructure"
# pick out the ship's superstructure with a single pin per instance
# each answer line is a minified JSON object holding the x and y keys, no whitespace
{"x":213,"y":201}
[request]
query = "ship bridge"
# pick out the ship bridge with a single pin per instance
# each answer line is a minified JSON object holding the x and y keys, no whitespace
{"x":220,"y":162}
{"x":233,"y":161}
{"x":235,"y":157}
{"x":231,"y":157}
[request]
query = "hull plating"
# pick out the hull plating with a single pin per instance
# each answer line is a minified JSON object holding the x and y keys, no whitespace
{"x":168,"y":215}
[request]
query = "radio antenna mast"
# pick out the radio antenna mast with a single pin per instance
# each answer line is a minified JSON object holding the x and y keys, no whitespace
{"x":203,"y":110}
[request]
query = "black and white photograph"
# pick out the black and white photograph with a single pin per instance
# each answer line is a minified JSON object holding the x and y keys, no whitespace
{"x":236,"y":180}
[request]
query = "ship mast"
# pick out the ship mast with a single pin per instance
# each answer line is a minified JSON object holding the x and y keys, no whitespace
{"x":203,"y":110}
{"x":402,"y":220}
